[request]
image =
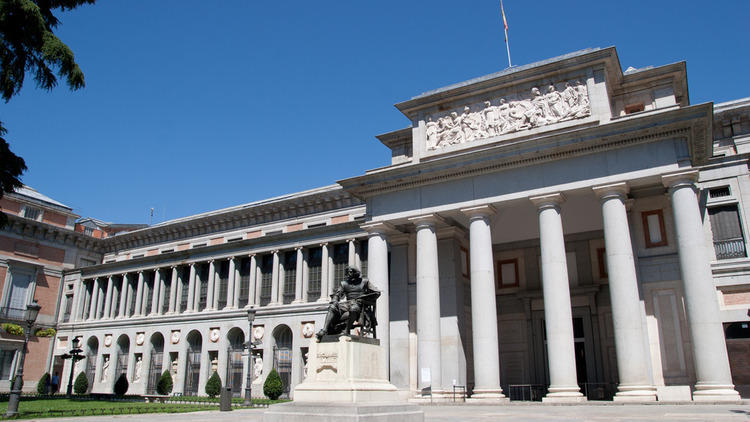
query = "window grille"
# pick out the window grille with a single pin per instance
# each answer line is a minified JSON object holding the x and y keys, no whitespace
{"x":185,"y":277}
{"x":68,"y":307}
{"x":202,"y":278}
{"x":340,"y":261}
{"x":266,"y":274}
{"x":314,"y":274}
{"x":223,"y":275}
{"x":244,"y":281}
{"x":729,"y":241}
{"x":719,"y":192}
{"x":363,"y":251}
{"x":32,"y":213}
{"x":290,"y":275}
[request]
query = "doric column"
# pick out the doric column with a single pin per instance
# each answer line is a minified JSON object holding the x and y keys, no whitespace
{"x":156,"y":293}
{"x":173,"y":290}
{"x":108,"y":298}
{"x":557,"y":311}
{"x":191,"y":305}
{"x":428,"y":304}
{"x":298,"y":277}
{"x":630,"y":341}
{"x":352,"y":250}
{"x":377,"y":260}
{"x":123,"y":297}
{"x":275,"y":295}
{"x":94,"y":300}
{"x":230,"y":285}
{"x":211,"y":281}
{"x":80,"y":291}
{"x":483,"y":307}
{"x":253,"y":279}
{"x":305,"y":274}
{"x":139,"y":294}
{"x":712,"y":373}
{"x":324,"y":295}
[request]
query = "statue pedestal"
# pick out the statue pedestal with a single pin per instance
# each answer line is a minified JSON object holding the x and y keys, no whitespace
{"x":346,"y":381}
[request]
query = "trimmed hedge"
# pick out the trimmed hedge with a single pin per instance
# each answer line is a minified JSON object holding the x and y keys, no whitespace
{"x":43,"y":386}
{"x":121,"y":385}
{"x":45,"y":332}
{"x":273,"y":386}
{"x":164,"y":386}
{"x":213,"y":385}
{"x":81,"y":384}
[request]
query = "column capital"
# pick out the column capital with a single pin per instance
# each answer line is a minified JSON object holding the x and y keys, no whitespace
{"x":172,"y":267}
{"x":680,"y":179}
{"x":323,"y":244}
{"x":612,"y":190}
{"x":552,"y":200}
{"x":479,"y":211}
{"x":299,"y":248}
{"x":275,"y":251}
{"x":379,"y":228}
{"x":250,"y":255}
{"x":210,"y":261}
{"x":427,"y":220}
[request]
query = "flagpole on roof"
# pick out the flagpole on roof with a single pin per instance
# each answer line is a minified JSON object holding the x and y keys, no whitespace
{"x":505,"y":25}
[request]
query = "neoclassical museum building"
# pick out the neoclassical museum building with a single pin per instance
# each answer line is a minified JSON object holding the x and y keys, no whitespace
{"x":562,"y":230}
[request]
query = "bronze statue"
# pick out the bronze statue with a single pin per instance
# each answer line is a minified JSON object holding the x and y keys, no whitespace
{"x":356,"y":310}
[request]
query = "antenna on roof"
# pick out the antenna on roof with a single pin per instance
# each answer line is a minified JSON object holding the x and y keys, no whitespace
{"x":151,"y":218}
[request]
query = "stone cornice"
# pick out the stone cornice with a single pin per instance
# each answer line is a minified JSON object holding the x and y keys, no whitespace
{"x":692,"y":123}
{"x":37,"y":230}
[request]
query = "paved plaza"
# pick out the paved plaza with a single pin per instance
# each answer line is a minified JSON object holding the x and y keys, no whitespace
{"x":513,"y":412}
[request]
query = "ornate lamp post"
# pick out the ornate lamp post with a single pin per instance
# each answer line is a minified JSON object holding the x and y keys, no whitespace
{"x":32,"y":311}
{"x":75,"y":354}
{"x":249,"y":344}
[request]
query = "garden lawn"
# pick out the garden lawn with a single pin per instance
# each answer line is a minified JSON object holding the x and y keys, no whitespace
{"x":41,"y":408}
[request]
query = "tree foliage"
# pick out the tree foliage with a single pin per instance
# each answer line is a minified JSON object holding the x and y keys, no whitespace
{"x":81,"y":386}
{"x":273,"y":387}
{"x":164,"y":386}
{"x":121,"y":385}
{"x":43,"y":386}
{"x":213,"y":385}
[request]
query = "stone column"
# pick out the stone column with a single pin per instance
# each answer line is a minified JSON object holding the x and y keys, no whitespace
{"x":129,"y":299}
{"x":324,"y":295}
{"x":108,"y":298}
{"x":428,"y":304}
{"x":298,"y":277}
{"x":275,"y":280}
{"x":178,"y":292}
{"x":352,"y":250}
{"x":173,"y":290}
{"x":191,"y":289}
{"x":235,"y":283}
{"x":123,"y":297}
{"x":305,"y":274}
{"x":630,"y":341}
{"x":211,"y":282}
{"x":713,"y":376}
{"x":557,"y":310}
{"x":258,"y":285}
{"x":252,"y":279}
{"x":78,"y":300}
{"x":139,"y":294}
{"x":156,"y":293}
{"x":377,"y":267}
{"x":94,"y":300}
{"x":230,"y":285}
{"x":483,"y":306}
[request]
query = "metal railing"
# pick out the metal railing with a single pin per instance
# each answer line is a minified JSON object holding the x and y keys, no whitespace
{"x":526,"y":392}
{"x":730,"y":248}
{"x":598,"y":390}
{"x":15,"y":314}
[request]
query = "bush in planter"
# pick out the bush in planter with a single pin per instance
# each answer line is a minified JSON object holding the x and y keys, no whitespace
{"x":81,"y":386}
{"x":45,"y":332}
{"x":14,"y":329}
{"x":164,"y":386}
{"x":121,"y":385}
{"x":43,"y":386}
{"x":213,"y":385}
{"x":273,"y":387}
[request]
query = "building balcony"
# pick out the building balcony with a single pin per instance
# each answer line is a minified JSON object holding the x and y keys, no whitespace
{"x":730,"y":248}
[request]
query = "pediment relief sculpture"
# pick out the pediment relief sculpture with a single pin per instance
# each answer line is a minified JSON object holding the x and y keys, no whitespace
{"x":509,"y":114}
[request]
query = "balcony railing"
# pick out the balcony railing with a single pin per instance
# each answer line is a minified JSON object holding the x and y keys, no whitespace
{"x":8,"y":313}
{"x":730,"y":248}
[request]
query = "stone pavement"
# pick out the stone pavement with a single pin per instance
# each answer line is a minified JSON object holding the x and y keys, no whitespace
{"x":477,"y":413}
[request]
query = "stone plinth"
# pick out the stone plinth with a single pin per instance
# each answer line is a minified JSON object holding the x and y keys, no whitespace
{"x":327,"y":412}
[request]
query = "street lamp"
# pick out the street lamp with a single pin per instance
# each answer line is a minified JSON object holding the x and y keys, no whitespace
{"x":74,"y":355}
{"x":249,"y":344}
{"x":32,"y":311}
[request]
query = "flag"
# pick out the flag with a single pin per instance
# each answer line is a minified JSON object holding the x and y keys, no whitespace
{"x":505,"y":22}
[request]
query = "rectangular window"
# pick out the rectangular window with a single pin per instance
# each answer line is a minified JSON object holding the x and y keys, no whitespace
{"x":340,"y":261}
{"x":167,"y":292}
{"x":363,"y":251}
{"x":202,"y":280}
{"x":289,"y":265}
{"x":244,"y":281}
{"x":85,"y":262}
{"x":727,"y":232}
{"x":185,"y":277}
{"x":68,"y":307}
{"x":507,"y":273}
{"x":266,"y":275}
{"x":653,"y":228}
{"x":6,"y":364}
{"x":314,"y":257}
{"x":88,"y":231}
{"x":148,"y":290}
{"x":18,"y":295}
{"x":223,"y":275}
{"x":133,"y":286}
{"x":32,"y":213}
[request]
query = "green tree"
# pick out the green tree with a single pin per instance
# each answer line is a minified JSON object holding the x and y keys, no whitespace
{"x":273,"y":387}
{"x":28,"y":44}
{"x":164,"y":386}
{"x":81,"y":386}
{"x":213,"y":385}
{"x":121,"y":385}
{"x":42,"y":386}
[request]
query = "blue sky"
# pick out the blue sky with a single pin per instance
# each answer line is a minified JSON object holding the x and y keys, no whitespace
{"x":192,"y":106}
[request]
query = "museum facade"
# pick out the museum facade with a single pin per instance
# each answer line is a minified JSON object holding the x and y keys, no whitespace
{"x":561,"y":230}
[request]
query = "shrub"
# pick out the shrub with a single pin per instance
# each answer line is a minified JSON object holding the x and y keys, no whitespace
{"x":273,"y":387}
{"x":42,"y":387}
{"x":164,"y":386}
{"x":121,"y":385}
{"x":14,"y":329}
{"x":81,"y":386}
{"x":213,"y":385}
{"x":45,"y":332}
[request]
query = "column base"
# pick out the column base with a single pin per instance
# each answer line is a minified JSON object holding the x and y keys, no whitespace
{"x":564,"y":395}
{"x":711,"y":393}
{"x":488,"y":395}
{"x":298,"y":301}
{"x":635,"y":394}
